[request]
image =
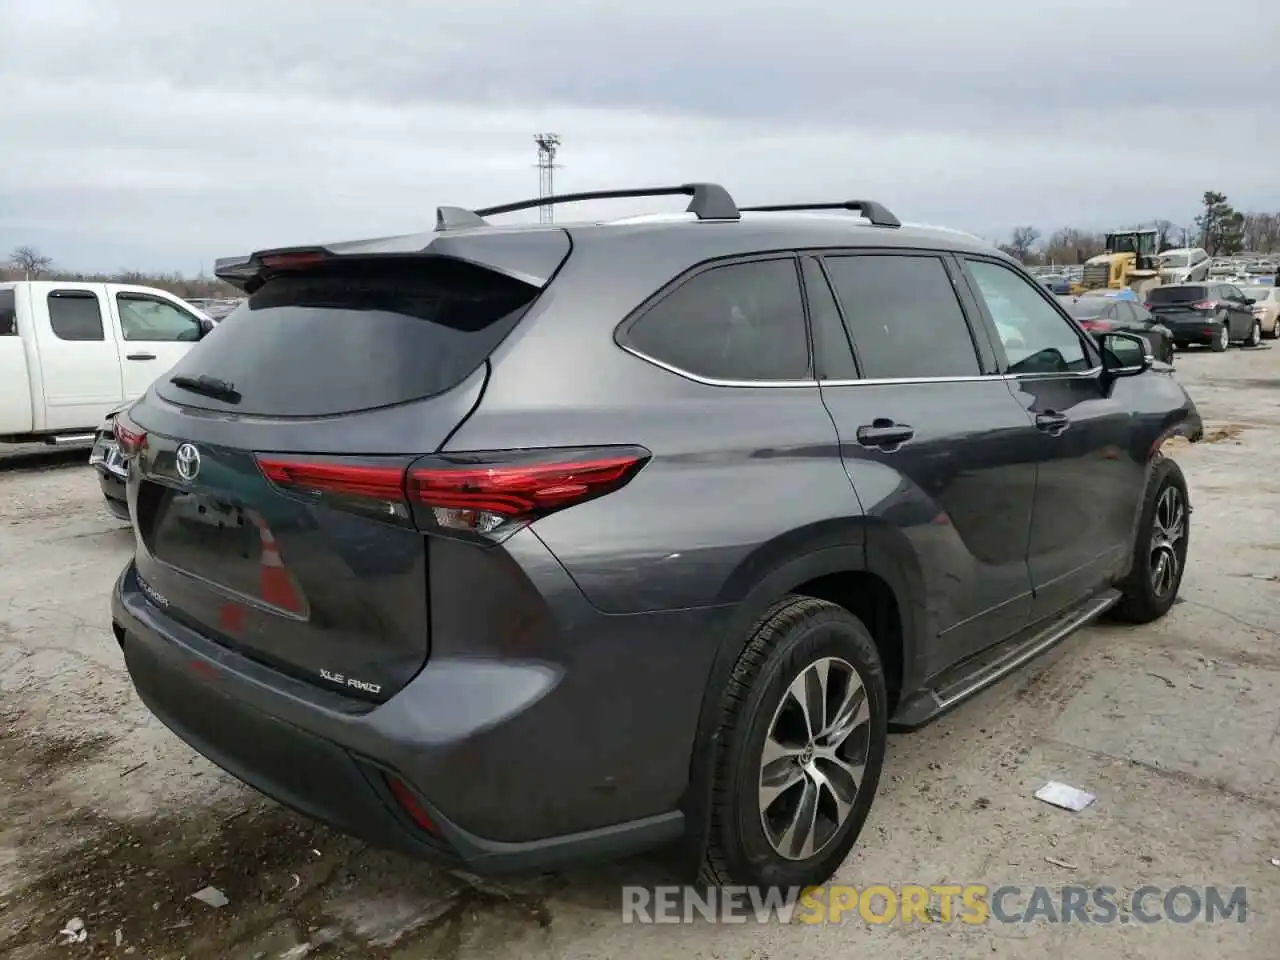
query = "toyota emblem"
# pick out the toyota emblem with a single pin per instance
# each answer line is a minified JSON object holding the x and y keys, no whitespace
{"x":188,"y":460}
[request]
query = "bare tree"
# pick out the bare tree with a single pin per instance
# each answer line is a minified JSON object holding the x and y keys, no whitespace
{"x":1071,"y":245}
{"x":1021,"y":242}
{"x":30,"y":261}
{"x":1165,"y":232}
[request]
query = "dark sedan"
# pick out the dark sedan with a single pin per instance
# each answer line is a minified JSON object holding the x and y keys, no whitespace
{"x":1100,"y":314}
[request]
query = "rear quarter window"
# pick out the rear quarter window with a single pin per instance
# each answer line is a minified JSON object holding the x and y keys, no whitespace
{"x":739,"y":322}
{"x":355,"y":336}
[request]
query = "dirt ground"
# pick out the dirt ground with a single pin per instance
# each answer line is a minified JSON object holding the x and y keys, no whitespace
{"x":107,"y":817}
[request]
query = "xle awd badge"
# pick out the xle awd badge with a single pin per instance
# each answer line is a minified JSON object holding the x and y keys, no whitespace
{"x":188,"y":461}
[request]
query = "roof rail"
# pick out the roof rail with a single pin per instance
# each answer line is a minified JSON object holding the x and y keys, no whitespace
{"x":710,"y":201}
{"x":877,"y":213}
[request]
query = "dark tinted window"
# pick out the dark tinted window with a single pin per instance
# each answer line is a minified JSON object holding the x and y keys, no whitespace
{"x":1036,"y":338}
{"x":833,"y":356}
{"x":8,"y":314}
{"x":75,"y":315}
{"x":744,"y":321}
{"x":1177,"y":293}
{"x":904,"y":316}
{"x":355,"y":336}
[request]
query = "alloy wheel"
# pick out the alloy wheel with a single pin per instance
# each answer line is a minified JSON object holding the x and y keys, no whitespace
{"x":1224,"y":337}
{"x":1168,"y":535}
{"x":1255,"y":334}
{"x":814,"y":758}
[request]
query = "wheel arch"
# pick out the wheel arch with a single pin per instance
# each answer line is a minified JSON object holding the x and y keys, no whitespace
{"x":862,"y":564}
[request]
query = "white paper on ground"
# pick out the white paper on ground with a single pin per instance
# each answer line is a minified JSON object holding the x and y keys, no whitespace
{"x":1064,"y":796}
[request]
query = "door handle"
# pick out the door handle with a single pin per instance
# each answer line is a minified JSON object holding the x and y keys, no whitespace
{"x":884,"y":434}
{"x":141,"y":356}
{"x":1052,"y":423}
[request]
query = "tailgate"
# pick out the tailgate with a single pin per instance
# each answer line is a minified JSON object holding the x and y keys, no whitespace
{"x":347,"y":374}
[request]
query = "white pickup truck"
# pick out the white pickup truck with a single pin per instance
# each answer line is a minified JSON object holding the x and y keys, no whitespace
{"x":72,"y":352}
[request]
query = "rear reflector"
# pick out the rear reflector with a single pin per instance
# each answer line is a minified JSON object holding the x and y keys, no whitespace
{"x":1204,"y":305}
{"x":409,"y":803}
{"x":489,"y":494}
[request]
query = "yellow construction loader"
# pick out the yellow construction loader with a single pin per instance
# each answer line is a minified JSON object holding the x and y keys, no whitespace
{"x":1130,"y":261}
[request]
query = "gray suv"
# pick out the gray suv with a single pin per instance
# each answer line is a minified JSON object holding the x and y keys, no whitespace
{"x":512,"y":546}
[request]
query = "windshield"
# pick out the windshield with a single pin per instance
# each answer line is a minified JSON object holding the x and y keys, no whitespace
{"x":1175,"y":259}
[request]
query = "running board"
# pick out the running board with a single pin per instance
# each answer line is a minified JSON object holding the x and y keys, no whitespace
{"x":957,"y":684}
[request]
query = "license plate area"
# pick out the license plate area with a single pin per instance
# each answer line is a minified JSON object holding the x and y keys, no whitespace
{"x":106,"y":454}
{"x":209,"y":538}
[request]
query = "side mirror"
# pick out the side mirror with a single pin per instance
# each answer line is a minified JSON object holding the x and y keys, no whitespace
{"x":1125,"y":354}
{"x":1250,"y":299}
{"x":206,"y":327}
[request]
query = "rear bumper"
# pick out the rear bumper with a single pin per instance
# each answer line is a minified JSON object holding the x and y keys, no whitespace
{"x":1192,"y":331}
{"x":311,"y":751}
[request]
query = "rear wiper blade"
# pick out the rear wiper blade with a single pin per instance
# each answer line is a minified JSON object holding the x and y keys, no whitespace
{"x":208,"y":386}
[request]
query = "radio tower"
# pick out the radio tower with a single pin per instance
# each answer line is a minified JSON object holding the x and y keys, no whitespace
{"x":548,"y":145}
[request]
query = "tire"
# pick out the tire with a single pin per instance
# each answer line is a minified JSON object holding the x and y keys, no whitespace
{"x":1255,"y":334}
{"x":1275,"y":330}
{"x":796,"y":635}
{"x":1144,"y":596}
{"x":1220,"y":342}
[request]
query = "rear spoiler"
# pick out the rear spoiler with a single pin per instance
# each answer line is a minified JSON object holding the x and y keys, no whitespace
{"x":529,"y":256}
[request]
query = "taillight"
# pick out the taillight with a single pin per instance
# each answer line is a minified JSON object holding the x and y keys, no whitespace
{"x":486,"y":494}
{"x":1094,"y":325}
{"x":494,"y":493}
{"x":375,"y":489}
{"x":129,"y":437}
{"x":1205,"y":305}
{"x":1148,"y":306}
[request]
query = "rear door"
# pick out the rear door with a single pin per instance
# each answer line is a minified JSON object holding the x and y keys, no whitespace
{"x":79,"y":367}
{"x":931,"y":438}
{"x":1087,"y":484}
{"x":154,"y":334}
{"x":268,"y":497}
{"x":1240,"y":311}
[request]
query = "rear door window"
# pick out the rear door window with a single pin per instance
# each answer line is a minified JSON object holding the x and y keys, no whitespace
{"x":354,"y":336}
{"x":75,"y":315}
{"x":904,"y":316}
{"x":740,"y":322}
{"x":1036,"y":338}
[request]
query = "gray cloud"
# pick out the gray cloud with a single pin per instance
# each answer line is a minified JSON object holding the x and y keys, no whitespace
{"x":169,"y":134}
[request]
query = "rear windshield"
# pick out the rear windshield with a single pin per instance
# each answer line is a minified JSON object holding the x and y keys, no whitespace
{"x":1177,"y":294}
{"x":1086,"y":307}
{"x":354,"y":336}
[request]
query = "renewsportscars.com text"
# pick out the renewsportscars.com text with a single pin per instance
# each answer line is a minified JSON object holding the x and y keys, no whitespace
{"x":971,"y":904}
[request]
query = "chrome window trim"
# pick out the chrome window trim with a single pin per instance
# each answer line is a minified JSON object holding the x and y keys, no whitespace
{"x":868,"y":382}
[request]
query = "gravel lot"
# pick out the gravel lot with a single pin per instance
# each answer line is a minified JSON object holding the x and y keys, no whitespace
{"x":107,"y":817}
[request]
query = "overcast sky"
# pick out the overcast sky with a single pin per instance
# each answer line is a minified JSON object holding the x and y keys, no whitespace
{"x":160,"y":134}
